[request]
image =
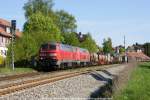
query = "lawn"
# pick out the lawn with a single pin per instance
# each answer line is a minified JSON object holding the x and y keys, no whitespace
{"x":138,"y":87}
{"x":8,"y":70}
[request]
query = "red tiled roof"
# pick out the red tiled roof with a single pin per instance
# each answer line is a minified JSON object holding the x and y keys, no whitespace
{"x":8,"y":24}
{"x":18,"y":33}
{"x":5,"y":22}
{"x":3,"y":33}
{"x":138,"y":55}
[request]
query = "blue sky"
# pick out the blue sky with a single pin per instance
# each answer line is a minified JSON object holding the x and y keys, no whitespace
{"x":102,"y":18}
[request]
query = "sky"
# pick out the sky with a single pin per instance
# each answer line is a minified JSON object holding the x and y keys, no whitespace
{"x":102,"y":18}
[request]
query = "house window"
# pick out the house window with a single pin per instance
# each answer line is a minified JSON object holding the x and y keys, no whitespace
{"x":6,"y":40}
{"x":2,"y":39}
{"x":8,"y":29}
{"x":5,"y":52}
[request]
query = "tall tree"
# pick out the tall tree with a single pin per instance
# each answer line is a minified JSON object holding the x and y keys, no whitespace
{"x":107,"y":46}
{"x":89,"y":44}
{"x":71,"y":39}
{"x":36,"y":6}
{"x":65,"y":21}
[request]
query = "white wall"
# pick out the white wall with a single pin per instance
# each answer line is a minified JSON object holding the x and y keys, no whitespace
{"x":3,"y":51}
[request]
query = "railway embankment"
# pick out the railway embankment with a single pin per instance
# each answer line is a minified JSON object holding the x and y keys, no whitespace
{"x":137,"y":88}
{"x":96,"y":84}
{"x":115,"y":79}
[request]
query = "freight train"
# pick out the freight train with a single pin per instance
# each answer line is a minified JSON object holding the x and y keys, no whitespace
{"x":57,"y":55}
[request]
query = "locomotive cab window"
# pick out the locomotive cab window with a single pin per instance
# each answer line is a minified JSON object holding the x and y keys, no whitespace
{"x":49,"y":47}
{"x":44,"y":46}
{"x":52,"y":47}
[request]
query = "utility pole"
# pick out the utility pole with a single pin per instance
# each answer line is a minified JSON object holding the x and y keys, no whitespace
{"x":13,"y":32}
{"x":124,"y":42}
{"x":125,"y":57}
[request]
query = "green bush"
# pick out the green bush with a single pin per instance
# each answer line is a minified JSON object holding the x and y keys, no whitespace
{"x":2,"y":60}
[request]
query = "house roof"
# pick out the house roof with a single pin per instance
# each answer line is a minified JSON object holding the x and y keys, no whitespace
{"x":3,"y":33}
{"x":8,"y":24}
{"x":5,"y":22}
{"x":18,"y":33}
{"x":138,"y":55}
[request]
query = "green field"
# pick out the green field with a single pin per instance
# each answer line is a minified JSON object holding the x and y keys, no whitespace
{"x":138,"y":87}
{"x":8,"y":70}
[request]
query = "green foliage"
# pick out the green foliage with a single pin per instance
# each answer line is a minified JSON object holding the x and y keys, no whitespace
{"x":1,"y":60}
{"x":138,"y":86}
{"x":89,"y":44}
{"x":36,"y":6}
{"x":147,"y":49}
{"x":121,"y":50}
{"x":65,"y":21}
{"x":107,"y":46}
{"x":71,"y":39}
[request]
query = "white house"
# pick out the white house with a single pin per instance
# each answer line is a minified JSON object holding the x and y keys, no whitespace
{"x":5,"y":36}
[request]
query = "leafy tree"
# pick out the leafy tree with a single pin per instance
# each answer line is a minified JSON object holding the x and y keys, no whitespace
{"x":36,"y":6}
{"x":71,"y":39}
{"x":42,"y":26}
{"x":121,"y":50}
{"x":147,"y":49}
{"x":100,"y":49}
{"x":107,"y":46}
{"x":89,"y":44}
{"x":65,"y":21}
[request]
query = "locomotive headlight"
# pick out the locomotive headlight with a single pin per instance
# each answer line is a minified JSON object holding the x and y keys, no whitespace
{"x":41,"y":58}
{"x":52,"y":54}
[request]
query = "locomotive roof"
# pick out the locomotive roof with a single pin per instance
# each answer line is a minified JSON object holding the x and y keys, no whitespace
{"x":54,"y":43}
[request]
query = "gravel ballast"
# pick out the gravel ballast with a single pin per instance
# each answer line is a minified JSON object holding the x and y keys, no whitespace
{"x":82,"y":86}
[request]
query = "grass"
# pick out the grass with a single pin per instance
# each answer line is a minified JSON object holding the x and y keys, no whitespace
{"x":9,"y":70}
{"x":138,"y":87}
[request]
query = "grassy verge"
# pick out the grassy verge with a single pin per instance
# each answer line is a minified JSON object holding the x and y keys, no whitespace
{"x":138,"y":87}
{"x":8,"y":70}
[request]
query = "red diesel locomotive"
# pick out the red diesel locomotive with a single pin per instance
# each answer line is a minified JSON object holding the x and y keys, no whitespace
{"x":60,"y":55}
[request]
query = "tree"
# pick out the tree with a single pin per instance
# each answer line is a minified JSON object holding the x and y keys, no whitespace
{"x":71,"y":39}
{"x":65,"y":21}
{"x":89,"y":44}
{"x":147,"y":49}
{"x":36,"y":6}
{"x":107,"y":46}
{"x":42,"y":26}
{"x":121,"y":50}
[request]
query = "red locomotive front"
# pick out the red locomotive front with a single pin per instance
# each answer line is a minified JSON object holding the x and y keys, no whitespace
{"x":48,"y":54}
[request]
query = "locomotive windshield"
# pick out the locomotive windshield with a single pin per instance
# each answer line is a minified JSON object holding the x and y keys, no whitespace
{"x":44,"y":46}
{"x":48,"y":47}
{"x":52,"y":47}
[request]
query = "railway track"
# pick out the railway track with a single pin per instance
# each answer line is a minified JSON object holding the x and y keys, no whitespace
{"x":12,"y":77}
{"x":11,"y":88}
{"x":31,"y":74}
